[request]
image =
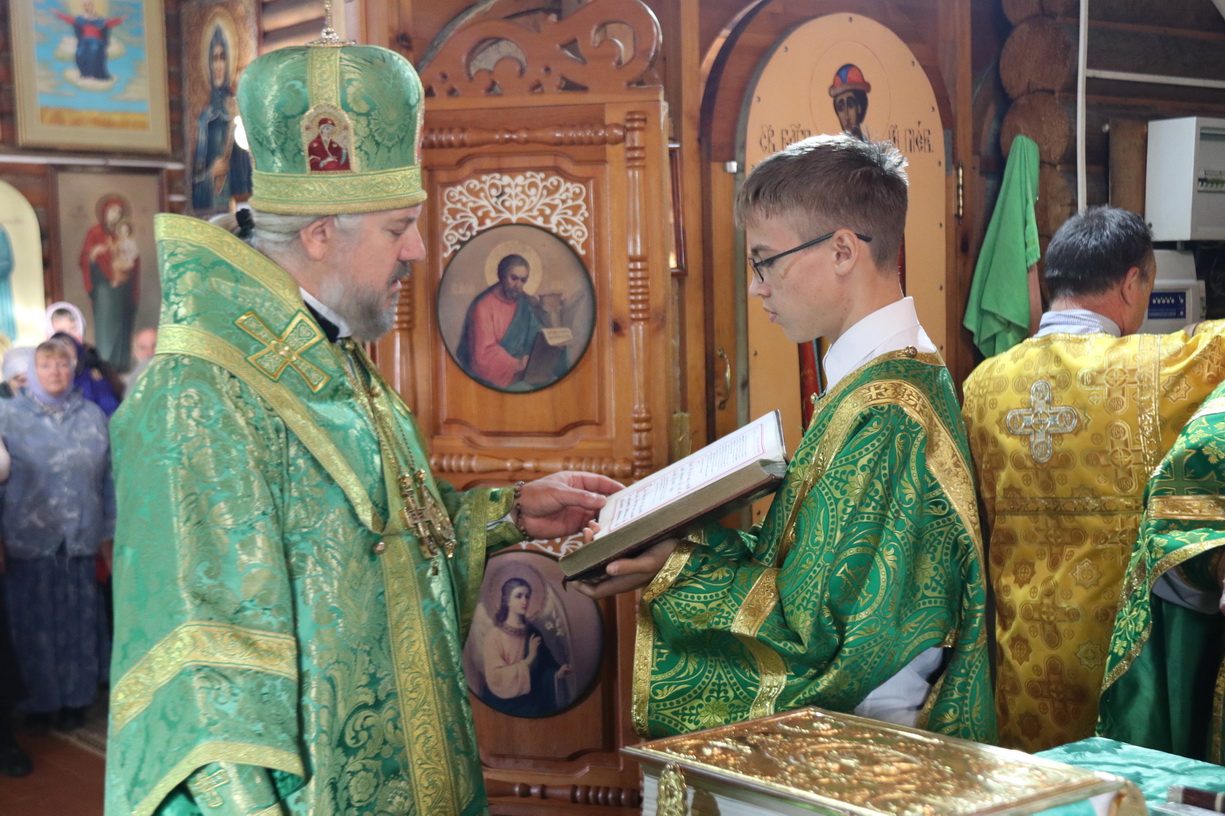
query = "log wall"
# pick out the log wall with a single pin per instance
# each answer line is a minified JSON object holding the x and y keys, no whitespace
{"x":1038,"y":69}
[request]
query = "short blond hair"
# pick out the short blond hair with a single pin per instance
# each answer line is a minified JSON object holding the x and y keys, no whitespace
{"x":57,"y":348}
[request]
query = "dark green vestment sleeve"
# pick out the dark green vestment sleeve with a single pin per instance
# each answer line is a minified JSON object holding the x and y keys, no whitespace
{"x":1165,"y":678}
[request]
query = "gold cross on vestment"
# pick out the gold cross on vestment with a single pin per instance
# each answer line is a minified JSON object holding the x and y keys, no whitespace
{"x":1041,"y":421}
{"x":285,"y":350}
{"x":207,"y":786}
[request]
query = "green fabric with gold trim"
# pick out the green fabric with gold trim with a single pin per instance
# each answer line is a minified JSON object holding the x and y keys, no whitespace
{"x":870,"y":554}
{"x":283,"y":641}
{"x":333,"y":129}
{"x":1164,"y":674}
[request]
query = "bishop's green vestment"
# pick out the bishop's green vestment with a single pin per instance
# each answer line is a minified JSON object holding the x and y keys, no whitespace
{"x":869,"y":555}
{"x":284,"y":642}
{"x":1165,"y":680}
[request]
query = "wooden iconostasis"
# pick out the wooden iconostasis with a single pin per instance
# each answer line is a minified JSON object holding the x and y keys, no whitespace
{"x":538,"y":337}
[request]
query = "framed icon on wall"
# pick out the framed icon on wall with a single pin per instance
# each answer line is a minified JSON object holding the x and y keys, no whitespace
{"x":516,"y":308}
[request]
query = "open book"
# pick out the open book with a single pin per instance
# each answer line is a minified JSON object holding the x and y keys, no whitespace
{"x":550,"y":345}
{"x":721,"y":477}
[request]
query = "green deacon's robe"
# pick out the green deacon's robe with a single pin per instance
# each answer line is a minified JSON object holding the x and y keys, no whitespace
{"x":870,"y":554}
{"x":1164,"y":678}
{"x":282,"y":644}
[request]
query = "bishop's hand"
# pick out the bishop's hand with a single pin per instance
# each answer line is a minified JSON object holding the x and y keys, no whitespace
{"x":561,"y":504}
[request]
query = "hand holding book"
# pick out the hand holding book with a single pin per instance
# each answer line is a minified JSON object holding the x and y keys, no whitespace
{"x":729,"y":473}
{"x":628,"y":574}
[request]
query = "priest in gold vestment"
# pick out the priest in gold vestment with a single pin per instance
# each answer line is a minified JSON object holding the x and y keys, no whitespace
{"x":863,"y":589}
{"x":292,"y":586}
{"x":1065,"y":429}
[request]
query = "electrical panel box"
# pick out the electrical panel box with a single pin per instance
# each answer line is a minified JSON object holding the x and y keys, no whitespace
{"x":1185,"y":179}
{"x":1178,"y":297}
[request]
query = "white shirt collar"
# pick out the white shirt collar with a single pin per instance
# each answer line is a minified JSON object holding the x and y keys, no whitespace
{"x":1077,"y":321}
{"x":342,"y":327}
{"x":891,"y":328}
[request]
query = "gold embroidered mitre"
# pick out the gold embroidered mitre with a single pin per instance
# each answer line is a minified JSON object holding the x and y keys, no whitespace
{"x":333,"y":128}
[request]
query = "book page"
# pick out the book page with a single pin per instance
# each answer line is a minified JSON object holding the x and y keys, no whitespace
{"x":754,"y":442}
{"x":557,"y":336}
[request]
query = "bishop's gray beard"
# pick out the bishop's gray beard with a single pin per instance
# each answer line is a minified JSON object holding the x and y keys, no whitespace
{"x":364,"y":310}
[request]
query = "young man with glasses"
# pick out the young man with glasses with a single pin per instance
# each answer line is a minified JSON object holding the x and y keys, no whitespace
{"x":862,"y":591}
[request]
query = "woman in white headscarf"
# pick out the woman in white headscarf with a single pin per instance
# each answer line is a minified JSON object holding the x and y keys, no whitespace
{"x":17,"y":362}
{"x":94,"y":376}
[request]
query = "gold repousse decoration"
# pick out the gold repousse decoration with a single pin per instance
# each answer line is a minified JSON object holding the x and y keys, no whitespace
{"x":673,"y":799}
{"x":846,"y":764}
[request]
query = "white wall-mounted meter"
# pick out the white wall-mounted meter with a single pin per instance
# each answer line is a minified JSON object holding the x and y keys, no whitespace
{"x":1185,"y":180}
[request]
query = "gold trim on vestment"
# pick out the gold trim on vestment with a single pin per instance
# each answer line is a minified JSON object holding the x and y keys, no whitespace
{"x":323,"y":75}
{"x":285,"y":350}
{"x":1137,"y":582}
{"x":425,"y":740}
{"x":485,"y":511}
{"x":1081,"y":505}
{"x":644,"y":636}
{"x":848,"y":380}
{"x":1187,"y":508}
{"x":244,"y":753}
{"x":1148,"y":395}
{"x":241,"y":256}
{"x":760,"y":601}
{"x":242,"y":784}
{"x":200,"y":644}
{"x":435,"y":784}
{"x":198,"y":343}
{"x":944,"y":461}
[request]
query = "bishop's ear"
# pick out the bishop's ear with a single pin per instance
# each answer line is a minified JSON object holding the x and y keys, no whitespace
{"x":318,"y":236}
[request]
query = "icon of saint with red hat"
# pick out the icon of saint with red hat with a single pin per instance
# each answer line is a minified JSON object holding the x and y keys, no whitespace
{"x":850,"y":93}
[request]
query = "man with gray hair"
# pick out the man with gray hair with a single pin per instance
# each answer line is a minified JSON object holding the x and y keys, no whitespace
{"x":292,"y":584}
{"x":862,"y":591}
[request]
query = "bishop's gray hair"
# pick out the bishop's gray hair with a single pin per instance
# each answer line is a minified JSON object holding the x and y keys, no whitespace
{"x":278,"y":235}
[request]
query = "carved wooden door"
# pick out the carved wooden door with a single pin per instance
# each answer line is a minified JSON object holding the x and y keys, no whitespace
{"x":536,"y":340}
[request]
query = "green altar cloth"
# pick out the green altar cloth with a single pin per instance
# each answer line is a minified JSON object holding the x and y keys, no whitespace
{"x":1152,"y":771}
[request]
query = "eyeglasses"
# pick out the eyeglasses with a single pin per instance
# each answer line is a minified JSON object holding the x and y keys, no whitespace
{"x":761,"y":266}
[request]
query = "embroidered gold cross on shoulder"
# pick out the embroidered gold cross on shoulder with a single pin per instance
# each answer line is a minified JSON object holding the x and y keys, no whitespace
{"x":285,"y":350}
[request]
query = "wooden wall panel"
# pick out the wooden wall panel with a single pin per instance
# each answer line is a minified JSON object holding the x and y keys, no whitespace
{"x":518,"y":132}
